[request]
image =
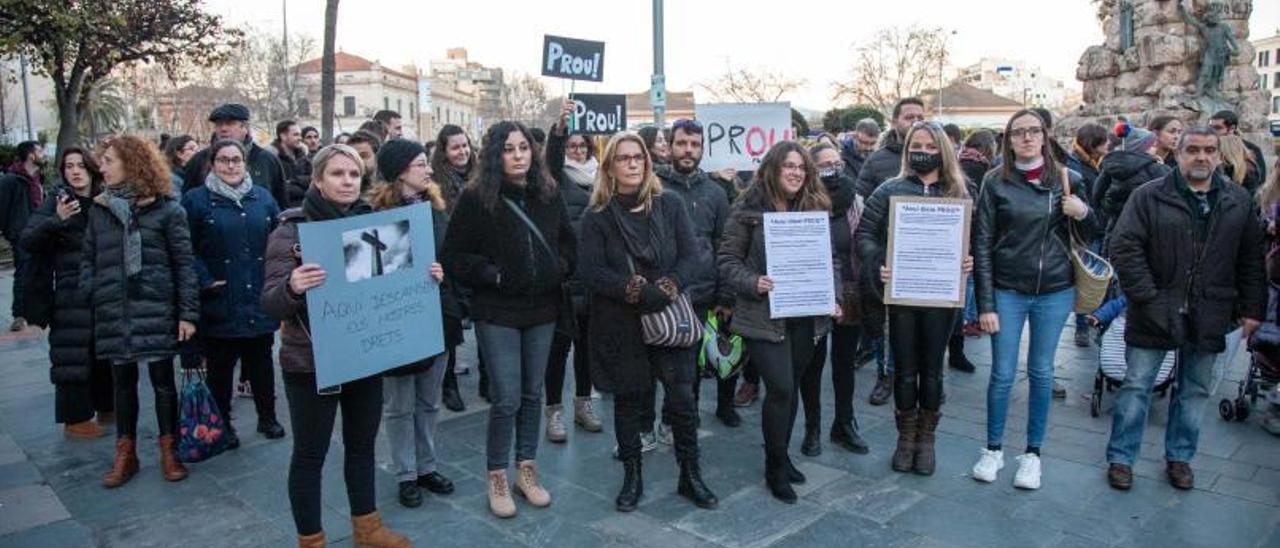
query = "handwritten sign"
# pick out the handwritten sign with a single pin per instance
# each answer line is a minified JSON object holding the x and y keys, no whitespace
{"x":738,"y":134}
{"x":599,"y":114}
{"x":378,"y":308}
{"x":572,"y":58}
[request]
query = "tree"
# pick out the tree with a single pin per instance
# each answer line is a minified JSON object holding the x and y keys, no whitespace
{"x":525,"y":100}
{"x":894,"y":63}
{"x":844,"y":119}
{"x":327,"y":62}
{"x":750,"y":86}
{"x":77,"y":43}
{"x":105,"y":111}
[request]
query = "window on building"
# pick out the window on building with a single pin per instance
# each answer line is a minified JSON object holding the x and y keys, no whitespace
{"x":348,"y":106}
{"x":438,"y":118}
{"x":386,"y":103}
{"x":1275,"y":105}
{"x":1263,"y":83}
{"x":411,"y":116}
{"x":1275,"y":80}
{"x":399,"y":105}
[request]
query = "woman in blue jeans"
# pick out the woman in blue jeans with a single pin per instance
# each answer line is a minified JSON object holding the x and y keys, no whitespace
{"x":510,"y":241}
{"x":1024,"y":276}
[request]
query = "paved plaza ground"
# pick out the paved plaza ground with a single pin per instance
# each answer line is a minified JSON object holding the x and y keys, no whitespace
{"x":50,"y":494}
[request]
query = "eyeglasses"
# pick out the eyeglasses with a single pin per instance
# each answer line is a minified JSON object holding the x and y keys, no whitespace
{"x":229,"y":161}
{"x":687,"y":124}
{"x":1026,"y":133}
{"x":628,"y":158}
{"x":577,"y":146}
{"x":792,"y":167}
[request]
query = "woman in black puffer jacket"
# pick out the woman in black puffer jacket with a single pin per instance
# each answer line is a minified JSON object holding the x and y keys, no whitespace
{"x":139,"y":273}
{"x":54,"y":237}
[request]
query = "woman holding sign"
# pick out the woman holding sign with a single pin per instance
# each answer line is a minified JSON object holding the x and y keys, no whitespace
{"x":917,"y":335}
{"x":1025,"y":276}
{"x":782,"y":349}
{"x":510,"y":241}
{"x":334,"y":194}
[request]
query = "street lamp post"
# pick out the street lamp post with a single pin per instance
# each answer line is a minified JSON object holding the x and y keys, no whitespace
{"x":658,"y":92}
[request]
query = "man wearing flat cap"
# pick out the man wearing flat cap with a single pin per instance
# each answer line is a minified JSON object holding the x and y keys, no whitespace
{"x":231,"y":121}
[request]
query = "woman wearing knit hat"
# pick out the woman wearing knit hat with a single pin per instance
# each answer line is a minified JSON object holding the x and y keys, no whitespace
{"x":1125,"y":169}
{"x":411,"y":393}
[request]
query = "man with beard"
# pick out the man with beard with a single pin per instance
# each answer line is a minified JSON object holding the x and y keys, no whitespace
{"x":860,"y":143}
{"x":311,"y":138}
{"x":391,"y":120}
{"x":293,"y":159}
{"x":21,"y":192}
{"x":231,"y":121}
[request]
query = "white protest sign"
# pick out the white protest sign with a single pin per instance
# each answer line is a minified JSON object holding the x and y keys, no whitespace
{"x":737,"y":135}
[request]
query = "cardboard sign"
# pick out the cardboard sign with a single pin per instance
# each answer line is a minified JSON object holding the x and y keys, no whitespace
{"x":378,"y":308}
{"x":737,"y":135}
{"x":928,"y":241}
{"x":572,"y":58}
{"x":599,"y":113}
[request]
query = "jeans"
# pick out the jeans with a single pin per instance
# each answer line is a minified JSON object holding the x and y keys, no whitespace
{"x":782,"y":365}
{"x":166,"y":394}
{"x":21,"y":264}
{"x":1186,"y":404}
{"x":970,"y":301}
{"x":629,"y":408}
{"x":254,"y":355}
{"x":411,"y":408}
{"x":517,"y":362}
{"x":1047,"y":315}
{"x":557,"y":364}
{"x":919,"y":338}
{"x":77,"y":402}
{"x":312,"y":423}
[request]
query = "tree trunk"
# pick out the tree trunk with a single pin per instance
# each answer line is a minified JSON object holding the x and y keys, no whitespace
{"x":327,"y":71}
{"x":68,"y":123}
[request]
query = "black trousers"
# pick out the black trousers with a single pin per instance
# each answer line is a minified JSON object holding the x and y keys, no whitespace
{"x":166,"y":394}
{"x":633,"y":411}
{"x":21,"y":264}
{"x":918,"y":338}
{"x":844,"y":350}
{"x":312,"y":423}
{"x":77,"y":402}
{"x":782,"y":365}
{"x":557,"y":364}
{"x":254,"y":355}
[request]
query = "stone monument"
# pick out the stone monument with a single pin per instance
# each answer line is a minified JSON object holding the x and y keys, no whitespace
{"x":1188,"y":58}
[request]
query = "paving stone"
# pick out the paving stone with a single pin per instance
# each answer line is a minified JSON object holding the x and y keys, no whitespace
{"x":1201,"y":518}
{"x":1247,"y":490}
{"x":9,"y":451}
{"x":751,"y":518}
{"x":972,"y":525}
{"x":60,"y":534}
{"x":845,"y":530}
{"x":641,"y":531}
{"x":19,"y":474}
{"x":881,"y":503}
{"x":29,"y":506}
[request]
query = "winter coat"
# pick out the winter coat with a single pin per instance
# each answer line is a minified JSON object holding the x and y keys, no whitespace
{"x":448,"y":305}
{"x":1261,"y":162}
{"x":1020,"y":236}
{"x":853,"y":161}
{"x":708,"y":211}
{"x":280,"y":302}
{"x":261,"y":165}
{"x":741,"y":261}
{"x":136,"y":318}
{"x":1088,"y":173}
{"x":619,"y":357}
{"x":1183,"y":291}
{"x":57,"y":246}
{"x":230,"y":244}
{"x":1120,"y":173}
{"x":15,"y":204}
{"x":873,"y":230}
{"x":975,"y":167}
{"x":296,"y":166}
{"x":576,"y":197}
{"x":514,"y":281}
{"x":883,"y":164}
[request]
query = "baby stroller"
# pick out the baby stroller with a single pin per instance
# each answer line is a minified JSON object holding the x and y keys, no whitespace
{"x":1112,"y":367}
{"x":1264,"y":366}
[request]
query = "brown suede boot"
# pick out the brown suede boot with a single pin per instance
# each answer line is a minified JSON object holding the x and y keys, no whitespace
{"x":125,"y":464}
{"x":311,"y":541}
{"x":83,"y":430}
{"x":904,"y":455}
{"x":369,"y":533}
{"x":170,"y":467}
{"x":926,"y":460}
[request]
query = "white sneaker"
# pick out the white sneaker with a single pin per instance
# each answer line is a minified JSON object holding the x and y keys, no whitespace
{"x":1028,"y":475}
{"x":664,"y":434}
{"x":989,"y":465}
{"x":648,"y":442}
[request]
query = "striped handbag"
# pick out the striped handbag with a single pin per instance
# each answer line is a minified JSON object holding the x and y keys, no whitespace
{"x":675,"y":326}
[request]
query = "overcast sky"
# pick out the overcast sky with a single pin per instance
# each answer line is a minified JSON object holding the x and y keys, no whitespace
{"x":812,"y":40}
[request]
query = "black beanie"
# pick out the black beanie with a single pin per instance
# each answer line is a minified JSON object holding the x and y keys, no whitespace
{"x":394,"y":157}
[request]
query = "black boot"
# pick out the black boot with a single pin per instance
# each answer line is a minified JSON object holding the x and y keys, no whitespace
{"x":775,"y":476}
{"x":846,"y":435}
{"x":883,"y":391}
{"x":692,"y":488}
{"x":268,"y":426}
{"x":955,"y":354}
{"x":632,"y":486}
{"x":812,"y":445}
{"x":449,"y":394}
{"x":794,"y":475}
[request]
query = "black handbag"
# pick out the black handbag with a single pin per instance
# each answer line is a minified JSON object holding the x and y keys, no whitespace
{"x":566,"y":320}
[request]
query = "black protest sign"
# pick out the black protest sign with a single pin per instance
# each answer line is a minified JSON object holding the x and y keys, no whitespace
{"x":572,"y":58}
{"x":599,"y":113}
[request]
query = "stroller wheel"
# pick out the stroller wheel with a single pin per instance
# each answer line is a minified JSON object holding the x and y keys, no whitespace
{"x":1227,"y":409}
{"x":1242,"y":410}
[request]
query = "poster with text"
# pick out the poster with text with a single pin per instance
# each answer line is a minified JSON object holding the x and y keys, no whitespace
{"x":572,"y":58}
{"x":599,"y":113}
{"x":797,"y":247}
{"x":737,"y":135}
{"x":928,"y":242}
{"x":378,"y":307}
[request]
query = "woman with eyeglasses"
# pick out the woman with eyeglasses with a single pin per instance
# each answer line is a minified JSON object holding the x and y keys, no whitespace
{"x":782,"y":349}
{"x":918,"y":335}
{"x":452,"y":163}
{"x":231,"y":219}
{"x":1022,"y":234}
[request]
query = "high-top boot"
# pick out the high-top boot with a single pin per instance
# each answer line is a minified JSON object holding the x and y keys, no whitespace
{"x":925,"y":457}
{"x":692,"y":487}
{"x":170,"y":467}
{"x":369,"y":533}
{"x":311,"y":541}
{"x":904,"y":455}
{"x":125,"y":464}
{"x":776,"y":477}
{"x":632,"y":486}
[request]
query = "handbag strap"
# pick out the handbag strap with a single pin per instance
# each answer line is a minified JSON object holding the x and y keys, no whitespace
{"x":1073,"y":231}
{"x":532,"y":227}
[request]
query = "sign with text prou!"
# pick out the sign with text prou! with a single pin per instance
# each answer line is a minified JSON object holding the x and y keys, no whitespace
{"x":737,"y":135}
{"x":599,"y":113}
{"x":572,"y":58}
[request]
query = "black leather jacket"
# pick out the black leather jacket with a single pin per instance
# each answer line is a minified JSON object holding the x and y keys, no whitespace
{"x":1020,"y":238}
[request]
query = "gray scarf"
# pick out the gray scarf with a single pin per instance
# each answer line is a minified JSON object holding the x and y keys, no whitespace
{"x":582,"y":174}
{"x":233,"y":193}
{"x":120,"y":201}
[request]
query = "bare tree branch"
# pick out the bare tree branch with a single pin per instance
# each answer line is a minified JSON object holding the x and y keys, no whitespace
{"x":750,"y":86}
{"x":894,"y":63}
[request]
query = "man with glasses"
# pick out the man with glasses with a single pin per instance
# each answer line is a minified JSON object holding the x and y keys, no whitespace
{"x":231,"y":121}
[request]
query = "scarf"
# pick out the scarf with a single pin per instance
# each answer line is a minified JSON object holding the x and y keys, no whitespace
{"x":234,"y":193}
{"x":582,"y":174}
{"x":1083,"y":155}
{"x":640,"y":231}
{"x":120,"y":202}
{"x":316,"y":208}
{"x":35,"y":190}
{"x":1033,"y":171}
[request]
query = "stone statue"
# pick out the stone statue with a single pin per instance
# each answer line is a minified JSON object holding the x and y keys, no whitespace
{"x":1219,"y":46}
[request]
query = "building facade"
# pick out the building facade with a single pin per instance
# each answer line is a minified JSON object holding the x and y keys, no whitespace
{"x":362,"y":88}
{"x":1017,"y":81}
{"x":1267,"y":62}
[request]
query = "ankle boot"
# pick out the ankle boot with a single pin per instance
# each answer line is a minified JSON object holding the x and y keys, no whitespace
{"x":925,"y":458}
{"x":311,"y":541}
{"x":955,"y":354}
{"x":83,"y":430}
{"x":692,"y":487}
{"x":170,"y":467}
{"x":125,"y":464}
{"x":846,"y":435}
{"x":369,"y":533}
{"x":776,"y":477}
{"x":794,"y":475}
{"x":812,"y":445}
{"x":632,"y":486}
{"x":904,"y":456}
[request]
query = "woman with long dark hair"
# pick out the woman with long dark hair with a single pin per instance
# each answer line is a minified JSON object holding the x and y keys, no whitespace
{"x":177,"y":150}
{"x":453,"y":160}
{"x":1168,"y":129}
{"x":655,"y":141}
{"x":54,"y":237}
{"x":780,"y":349}
{"x":918,"y":335}
{"x":336,"y":175}
{"x":510,"y":241}
{"x":138,"y":272}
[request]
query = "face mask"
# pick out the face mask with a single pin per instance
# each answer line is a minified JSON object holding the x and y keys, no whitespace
{"x":828,"y":173}
{"x":924,"y":162}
